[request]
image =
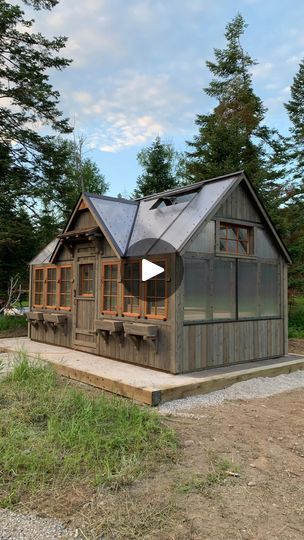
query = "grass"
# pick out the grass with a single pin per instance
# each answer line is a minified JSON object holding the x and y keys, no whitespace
{"x":296,"y":319}
{"x":219,"y":470}
{"x":52,"y":433}
{"x":9,"y":323}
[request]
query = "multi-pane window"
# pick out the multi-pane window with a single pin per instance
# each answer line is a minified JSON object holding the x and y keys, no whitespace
{"x":65,"y":283}
{"x":156,"y":295}
{"x":86,"y":279}
{"x":51,"y":284}
{"x":131,"y":289}
{"x":234,"y":239}
{"x":109,"y":288}
{"x":38,"y":287}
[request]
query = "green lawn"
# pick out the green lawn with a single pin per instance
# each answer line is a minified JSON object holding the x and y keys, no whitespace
{"x":52,"y":433}
{"x":9,"y":323}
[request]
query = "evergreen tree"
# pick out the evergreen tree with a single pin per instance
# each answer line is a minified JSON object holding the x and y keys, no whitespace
{"x":159,"y":162}
{"x":295,"y":109}
{"x":232,"y":137}
{"x":66,"y":176}
{"x":27,"y":98}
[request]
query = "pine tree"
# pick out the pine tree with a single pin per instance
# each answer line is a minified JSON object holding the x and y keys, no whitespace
{"x":66,"y":176}
{"x":27,"y":98}
{"x":232,"y":137}
{"x":295,"y":109}
{"x":159,"y":162}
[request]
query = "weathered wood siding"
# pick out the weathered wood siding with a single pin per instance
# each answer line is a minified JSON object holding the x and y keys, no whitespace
{"x":239,"y":205}
{"x":219,"y":344}
{"x":46,"y":334}
{"x":81,"y":333}
{"x":83,"y":220}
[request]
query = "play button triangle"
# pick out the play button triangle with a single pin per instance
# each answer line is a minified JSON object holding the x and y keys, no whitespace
{"x":149,"y":270}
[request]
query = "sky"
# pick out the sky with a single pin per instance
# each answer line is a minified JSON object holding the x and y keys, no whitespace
{"x":138,"y":69}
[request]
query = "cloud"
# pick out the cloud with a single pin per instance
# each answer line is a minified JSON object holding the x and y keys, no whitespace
{"x":131,"y":109}
{"x":262,"y":70}
{"x":121,"y":133}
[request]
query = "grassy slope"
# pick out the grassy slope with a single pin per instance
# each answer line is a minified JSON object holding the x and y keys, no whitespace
{"x":52,"y":434}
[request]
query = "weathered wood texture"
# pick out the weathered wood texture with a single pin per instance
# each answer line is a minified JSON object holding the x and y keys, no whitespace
{"x":219,"y":344}
{"x":239,"y":206}
{"x":54,"y":336}
{"x":83,"y":220}
{"x":81,"y":331}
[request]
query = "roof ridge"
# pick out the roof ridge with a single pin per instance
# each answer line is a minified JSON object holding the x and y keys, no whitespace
{"x":189,"y":187}
{"x":109,"y":198}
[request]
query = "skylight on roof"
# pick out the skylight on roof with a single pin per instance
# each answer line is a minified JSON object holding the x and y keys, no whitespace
{"x":164,"y":201}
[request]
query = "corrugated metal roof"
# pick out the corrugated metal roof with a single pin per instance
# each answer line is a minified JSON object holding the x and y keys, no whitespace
{"x":44,"y":256}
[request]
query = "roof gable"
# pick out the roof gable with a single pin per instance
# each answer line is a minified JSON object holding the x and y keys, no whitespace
{"x":127,"y":225}
{"x":116,"y":219}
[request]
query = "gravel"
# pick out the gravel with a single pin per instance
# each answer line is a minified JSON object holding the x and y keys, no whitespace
{"x":28,"y":527}
{"x":254,"y":388}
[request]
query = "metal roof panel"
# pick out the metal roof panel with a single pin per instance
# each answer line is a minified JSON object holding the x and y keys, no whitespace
{"x":118,"y":218}
{"x":44,"y":255}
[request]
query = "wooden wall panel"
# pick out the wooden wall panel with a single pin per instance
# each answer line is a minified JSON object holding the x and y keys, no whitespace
{"x":239,"y":206}
{"x":47,"y":334}
{"x":83,"y":220}
{"x":219,"y":344}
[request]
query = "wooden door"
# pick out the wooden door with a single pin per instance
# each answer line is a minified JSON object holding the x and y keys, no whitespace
{"x":85,"y":295}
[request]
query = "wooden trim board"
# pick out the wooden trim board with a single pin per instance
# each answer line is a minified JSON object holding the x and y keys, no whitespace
{"x":218,"y":382}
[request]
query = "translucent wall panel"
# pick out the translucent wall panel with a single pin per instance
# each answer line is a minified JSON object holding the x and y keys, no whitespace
{"x":264,"y":248}
{"x":196,"y":279}
{"x":248,"y":289}
{"x":223,"y":299}
{"x":270,"y":290}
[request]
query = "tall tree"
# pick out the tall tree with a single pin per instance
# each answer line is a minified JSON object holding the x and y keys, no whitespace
{"x":293,"y":157}
{"x":295,"y":109}
{"x":69,"y":174}
{"x":27,"y":98}
{"x":232,"y":137}
{"x":159,"y":162}
{"x":27,"y":102}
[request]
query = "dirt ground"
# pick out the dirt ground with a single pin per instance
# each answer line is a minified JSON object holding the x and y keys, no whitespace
{"x":296,"y":346}
{"x":262,"y":440}
{"x":13,"y":332}
{"x":259,"y":496}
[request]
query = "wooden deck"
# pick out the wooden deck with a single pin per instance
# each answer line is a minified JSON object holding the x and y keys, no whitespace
{"x":143,"y":384}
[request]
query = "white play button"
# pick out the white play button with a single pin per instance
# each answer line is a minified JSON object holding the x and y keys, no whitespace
{"x":149,"y":270}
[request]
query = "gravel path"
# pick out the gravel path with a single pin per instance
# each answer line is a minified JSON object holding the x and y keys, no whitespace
{"x":28,"y":527}
{"x":254,"y":388}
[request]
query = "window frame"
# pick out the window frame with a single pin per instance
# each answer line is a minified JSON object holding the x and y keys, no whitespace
{"x":60,"y":268}
{"x":80,"y":282}
{"x":102,"y":303}
{"x":237,"y":225}
{"x":46,"y":281}
{"x":138,"y":314}
{"x":43,"y":286}
{"x":163,"y":317}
